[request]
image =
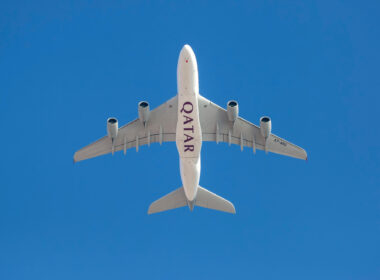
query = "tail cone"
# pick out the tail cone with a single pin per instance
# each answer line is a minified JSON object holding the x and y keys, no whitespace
{"x":191,"y":204}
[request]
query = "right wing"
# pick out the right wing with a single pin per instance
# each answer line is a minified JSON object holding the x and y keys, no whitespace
{"x":216,"y":127}
{"x":161,"y":127}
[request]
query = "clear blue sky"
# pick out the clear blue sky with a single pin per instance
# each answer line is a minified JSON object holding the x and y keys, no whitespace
{"x":312,"y":66}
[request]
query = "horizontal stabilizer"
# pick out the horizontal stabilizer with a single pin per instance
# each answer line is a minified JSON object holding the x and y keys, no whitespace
{"x":210,"y":200}
{"x":173,"y":200}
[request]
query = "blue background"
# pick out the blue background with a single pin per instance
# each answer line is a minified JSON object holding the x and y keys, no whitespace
{"x":67,"y":66}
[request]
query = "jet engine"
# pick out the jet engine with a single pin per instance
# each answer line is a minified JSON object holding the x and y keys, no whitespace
{"x":143,"y":109}
{"x":232,"y":110}
{"x":112,"y":128}
{"x":265,"y":126}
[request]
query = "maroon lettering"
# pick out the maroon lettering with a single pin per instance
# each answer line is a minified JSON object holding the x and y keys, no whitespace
{"x":188,"y":138}
{"x":189,"y":148}
{"x":189,"y":109}
{"x":188,"y":119}
{"x":190,"y":128}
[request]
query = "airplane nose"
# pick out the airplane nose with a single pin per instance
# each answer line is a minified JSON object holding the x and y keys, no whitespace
{"x":187,"y":70}
{"x":187,"y":51}
{"x":187,"y":48}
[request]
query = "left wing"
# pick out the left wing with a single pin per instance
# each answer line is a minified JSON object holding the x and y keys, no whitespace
{"x":216,"y":127}
{"x":161,"y":127}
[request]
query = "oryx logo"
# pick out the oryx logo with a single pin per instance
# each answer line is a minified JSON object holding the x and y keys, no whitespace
{"x":188,"y":127}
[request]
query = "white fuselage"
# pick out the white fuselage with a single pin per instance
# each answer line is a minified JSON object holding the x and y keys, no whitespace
{"x":188,"y":133}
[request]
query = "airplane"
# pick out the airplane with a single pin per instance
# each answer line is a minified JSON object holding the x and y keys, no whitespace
{"x":189,"y":119}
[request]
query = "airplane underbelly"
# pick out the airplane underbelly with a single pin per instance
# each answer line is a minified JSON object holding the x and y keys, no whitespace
{"x":190,"y":175}
{"x":188,"y":132}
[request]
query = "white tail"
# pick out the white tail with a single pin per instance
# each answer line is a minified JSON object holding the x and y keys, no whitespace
{"x":173,"y":200}
{"x":204,"y":198}
{"x":210,"y":200}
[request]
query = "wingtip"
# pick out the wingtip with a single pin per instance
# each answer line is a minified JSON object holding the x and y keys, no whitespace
{"x":75,"y":158}
{"x":305,"y":157}
{"x":233,"y":210}
{"x":150,"y":210}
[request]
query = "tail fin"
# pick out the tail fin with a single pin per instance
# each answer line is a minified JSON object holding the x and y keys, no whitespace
{"x":210,"y":200}
{"x":204,"y":198}
{"x":173,"y":200}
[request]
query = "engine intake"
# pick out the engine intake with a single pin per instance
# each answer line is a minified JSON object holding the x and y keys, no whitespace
{"x":144,"y":111}
{"x":265,"y":126}
{"x":112,"y":128}
{"x":232,"y":110}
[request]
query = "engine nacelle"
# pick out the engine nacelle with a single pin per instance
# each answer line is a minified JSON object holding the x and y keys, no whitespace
{"x":144,"y":112}
{"x":112,"y":128}
{"x":265,"y":126}
{"x":232,"y":110}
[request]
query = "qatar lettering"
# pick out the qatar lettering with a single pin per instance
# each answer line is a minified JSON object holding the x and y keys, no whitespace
{"x":188,"y":127}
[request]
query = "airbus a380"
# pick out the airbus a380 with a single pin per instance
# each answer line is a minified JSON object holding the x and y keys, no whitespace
{"x":189,"y":119}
